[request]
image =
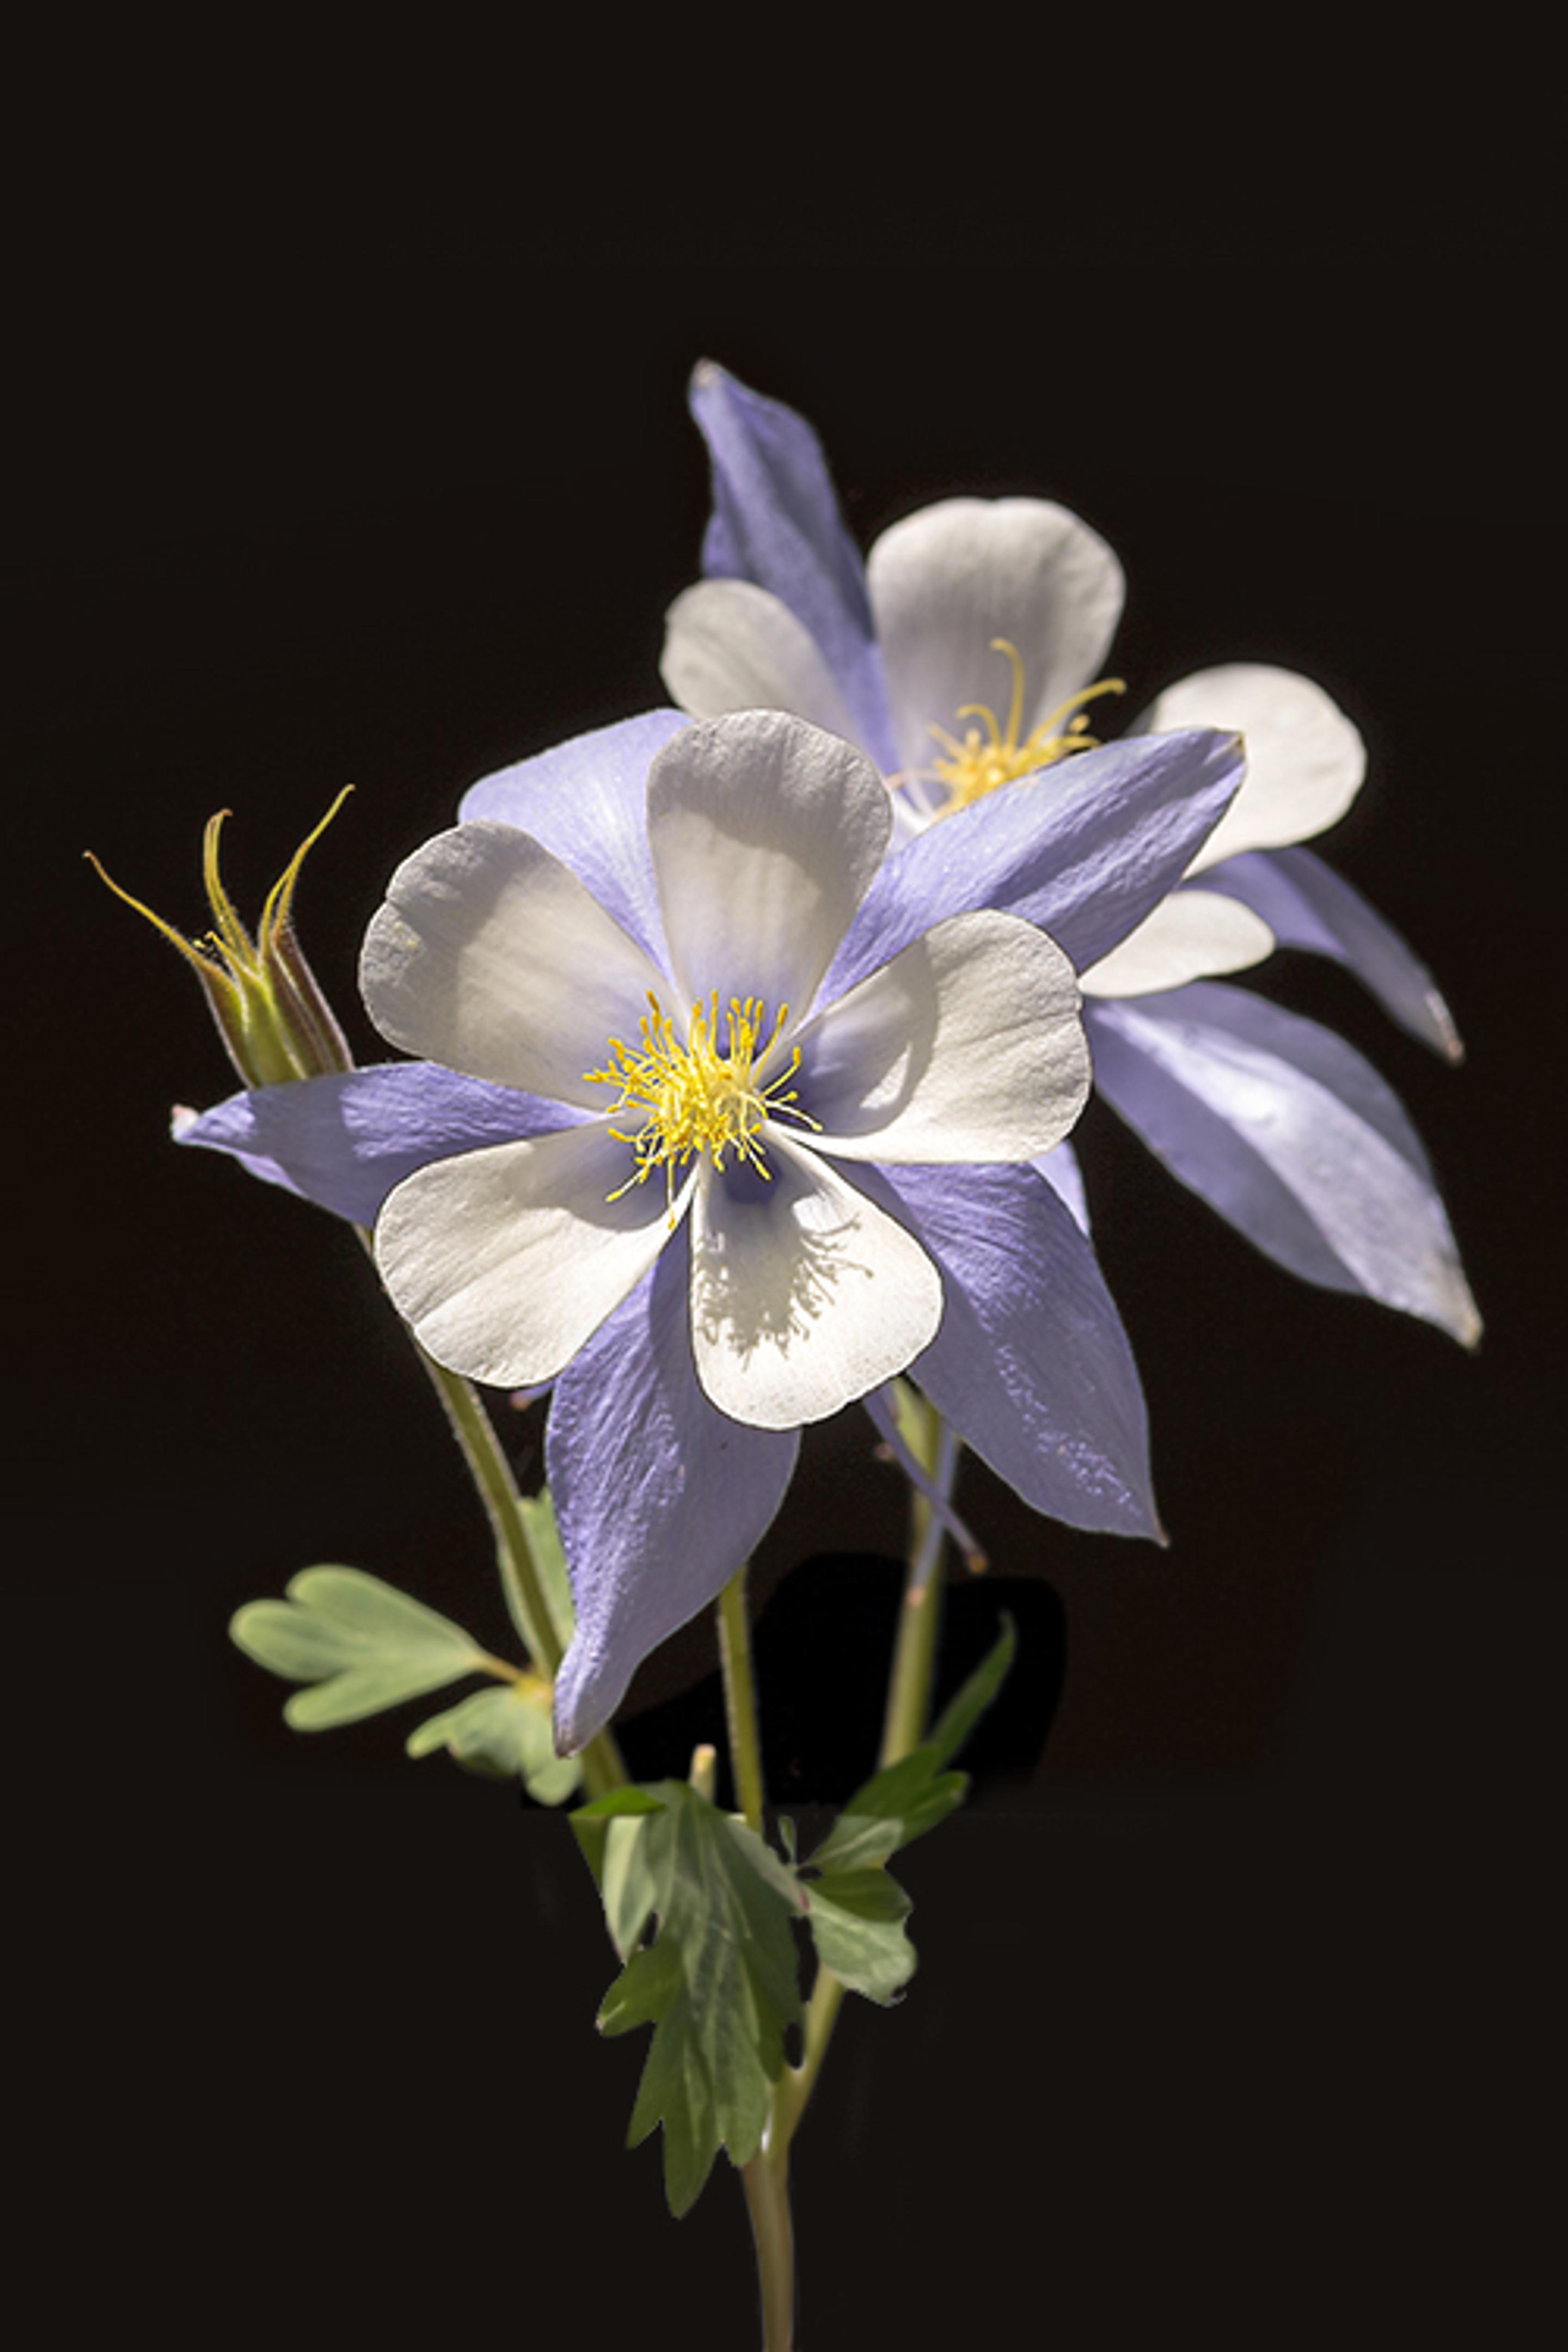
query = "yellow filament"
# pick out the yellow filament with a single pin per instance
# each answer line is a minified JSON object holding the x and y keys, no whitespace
{"x":696,"y":1098}
{"x":981,"y":763}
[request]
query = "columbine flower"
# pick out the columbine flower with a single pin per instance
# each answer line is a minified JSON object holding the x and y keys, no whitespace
{"x":963,"y":656}
{"x":725,"y":1124}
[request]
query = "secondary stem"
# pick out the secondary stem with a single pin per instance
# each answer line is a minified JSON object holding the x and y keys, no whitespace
{"x":935,"y":1448}
{"x":741,"y":1698}
{"x":909,"y":1704}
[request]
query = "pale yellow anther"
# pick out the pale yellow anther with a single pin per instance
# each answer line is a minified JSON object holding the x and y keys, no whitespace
{"x":981,"y":763}
{"x":693,"y":1097}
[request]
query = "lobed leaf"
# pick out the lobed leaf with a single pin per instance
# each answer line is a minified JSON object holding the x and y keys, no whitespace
{"x":719,"y":1986}
{"x":364,"y":1646}
{"x":891,"y":1810}
{"x":968,"y":1704}
{"x":906,"y":1799}
{"x":627,"y":1882}
{"x":857,"y":1925}
{"x":506,"y":1733}
{"x":549,"y":1562}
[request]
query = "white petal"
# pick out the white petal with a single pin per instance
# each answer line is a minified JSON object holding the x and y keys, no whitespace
{"x":731,"y":645}
{"x":1305,"y":761}
{"x":765,"y":835}
{"x":505,"y":1261}
{"x":1190,"y":935}
{"x":805,"y":1295}
{"x":966,"y":1046}
{"x":490,"y":957}
{"x":948,"y":580}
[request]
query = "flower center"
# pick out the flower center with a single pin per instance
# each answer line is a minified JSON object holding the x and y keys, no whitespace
{"x":980,"y":763}
{"x":695,"y":1098}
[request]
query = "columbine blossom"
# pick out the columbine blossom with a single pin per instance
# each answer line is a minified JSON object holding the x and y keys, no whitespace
{"x":722,"y":1127}
{"x":963,"y":656}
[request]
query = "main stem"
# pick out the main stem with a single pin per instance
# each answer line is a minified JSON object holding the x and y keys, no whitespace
{"x":766,"y":2183}
{"x":766,"y":2177}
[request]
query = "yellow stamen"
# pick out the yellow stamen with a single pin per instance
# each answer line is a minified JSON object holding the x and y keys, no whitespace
{"x":980,"y":763}
{"x":696,"y":1098}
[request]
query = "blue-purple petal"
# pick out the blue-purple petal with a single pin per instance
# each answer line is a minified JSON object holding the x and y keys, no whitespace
{"x":343,"y":1141}
{"x":659,"y":1496}
{"x":1031,"y":1364}
{"x":1085,"y":848}
{"x":586,"y":800}
{"x":776,"y":522}
{"x":1061,"y":1172}
{"x":1292,"y":1137}
{"x":1307,"y":905}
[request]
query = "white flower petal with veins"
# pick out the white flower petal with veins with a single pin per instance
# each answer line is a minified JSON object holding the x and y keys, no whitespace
{"x":966,"y":1046}
{"x":729,"y":645}
{"x":506,"y":1261}
{"x":765,"y":835}
{"x":1305,"y":761}
{"x":1190,"y":936}
{"x":491,"y":957}
{"x":805,"y":1295}
{"x":947,"y":581}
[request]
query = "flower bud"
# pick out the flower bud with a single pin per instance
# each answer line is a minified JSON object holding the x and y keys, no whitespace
{"x":275,"y":1022}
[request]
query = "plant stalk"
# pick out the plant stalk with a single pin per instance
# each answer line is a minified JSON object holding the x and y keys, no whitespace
{"x":741,"y":1698}
{"x":936,"y":1447}
{"x":766,"y":2183}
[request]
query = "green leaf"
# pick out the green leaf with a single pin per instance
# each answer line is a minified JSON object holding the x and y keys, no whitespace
{"x":719,"y":1986}
{"x":550,"y":1563}
{"x":362,"y":1644}
{"x":644,"y":1989}
{"x":765,"y":1862}
{"x":507,"y":1734}
{"x":619,"y":1800}
{"x":591,"y":1826}
{"x":893,"y":1808}
{"x":901,"y":1803}
{"x":858,"y":1925}
{"x":627,"y":1882}
{"x":966,"y":1707}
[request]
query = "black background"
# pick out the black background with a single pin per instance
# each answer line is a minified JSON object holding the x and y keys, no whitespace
{"x":1231,"y":2007}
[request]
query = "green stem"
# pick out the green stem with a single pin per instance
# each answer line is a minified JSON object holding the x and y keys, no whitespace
{"x":766,"y":2177}
{"x":919,"y":1614}
{"x":936,"y":1447}
{"x":766,"y":2182}
{"x":797,"y":2084}
{"x":602,"y":1768}
{"x":491,"y":1473}
{"x":741,"y":1698}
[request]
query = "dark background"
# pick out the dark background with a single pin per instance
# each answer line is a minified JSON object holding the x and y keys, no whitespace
{"x":1232,"y":2005}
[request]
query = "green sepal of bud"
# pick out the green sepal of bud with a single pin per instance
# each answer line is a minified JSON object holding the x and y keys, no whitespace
{"x":269,"y":1006}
